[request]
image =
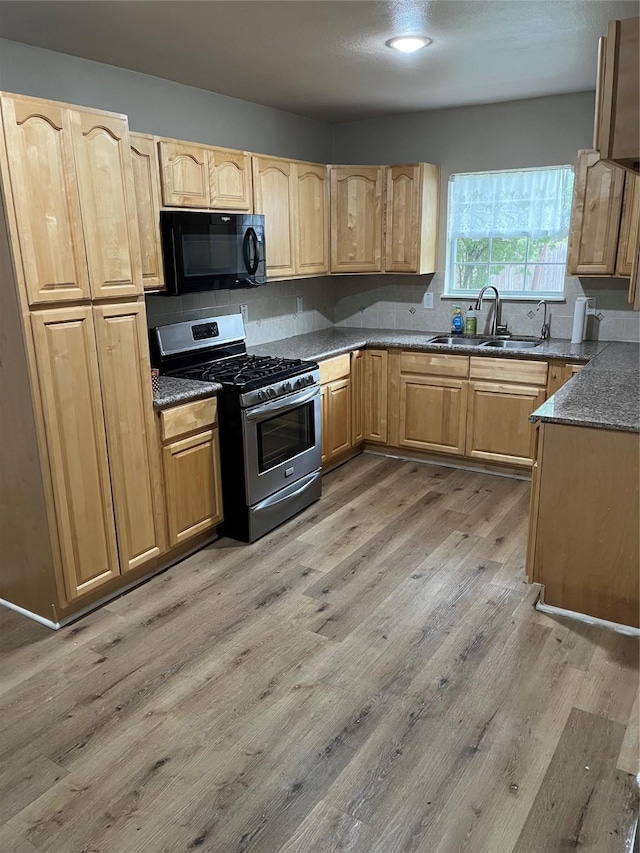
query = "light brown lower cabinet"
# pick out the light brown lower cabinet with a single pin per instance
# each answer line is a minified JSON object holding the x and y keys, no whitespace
{"x":93,"y":368}
{"x":432,"y":413}
{"x":357,"y":397}
{"x":336,"y":419}
{"x":376,"y":380}
{"x":192,"y":485}
{"x":586,"y":480}
{"x":498,"y":428}
{"x":69,"y":379}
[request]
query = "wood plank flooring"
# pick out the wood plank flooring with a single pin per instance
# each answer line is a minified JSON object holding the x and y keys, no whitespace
{"x":372,"y":677}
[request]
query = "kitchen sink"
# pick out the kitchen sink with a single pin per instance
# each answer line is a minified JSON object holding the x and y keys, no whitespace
{"x":511,"y":344}
{"x":454,"y":341}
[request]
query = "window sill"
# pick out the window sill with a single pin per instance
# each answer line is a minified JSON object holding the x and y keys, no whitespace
{"x":471,"y":297}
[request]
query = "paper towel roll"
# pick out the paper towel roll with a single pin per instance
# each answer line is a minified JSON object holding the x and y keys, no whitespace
{"x":579,"y":319}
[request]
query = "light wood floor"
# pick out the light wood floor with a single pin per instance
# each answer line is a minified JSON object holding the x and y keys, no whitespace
{"x":371,"y":678}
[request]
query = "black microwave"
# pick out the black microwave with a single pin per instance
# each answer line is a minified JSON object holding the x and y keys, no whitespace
{"x":212,"y":251}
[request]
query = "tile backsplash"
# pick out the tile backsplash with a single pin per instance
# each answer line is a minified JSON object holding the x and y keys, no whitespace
{"x":396,"y":302}
{"x":272,"y":309}
{"x":391,"y":302}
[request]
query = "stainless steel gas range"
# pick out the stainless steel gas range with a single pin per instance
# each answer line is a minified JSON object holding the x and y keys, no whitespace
{"x":269,"y":418}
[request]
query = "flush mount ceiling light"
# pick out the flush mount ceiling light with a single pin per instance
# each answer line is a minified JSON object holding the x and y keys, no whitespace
{"x":408,"y":44}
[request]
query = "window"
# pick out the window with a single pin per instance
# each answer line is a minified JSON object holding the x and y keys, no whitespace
{"x":509,"y":229}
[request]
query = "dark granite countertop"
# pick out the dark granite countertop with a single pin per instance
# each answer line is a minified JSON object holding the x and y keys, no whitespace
{"x":174,"y":390}
{"x":319,"y":345}
{"x":605,"y":394}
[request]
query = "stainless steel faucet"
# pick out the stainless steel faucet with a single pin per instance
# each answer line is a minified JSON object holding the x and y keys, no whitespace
{"x":496,"y":313}
{"x":546,"y":330}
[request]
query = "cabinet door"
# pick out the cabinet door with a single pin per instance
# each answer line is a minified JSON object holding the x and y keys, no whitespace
{"x":107,"y":200}
{"x":146,"y":182}
{"x":192,"y":485}
{"x":128,"y":407}
{"x":357,"y":397}
{"x":402,"y":238}
{"x":356,"y":219}
{"x":375,"y":395}
{"x":65,"y":346}
{"x":274,"y":197}
{"x":45,"y":196}
{"x":230,"y":179}
{"x":498,"y":427}
{"x":312,"y":217}
{"x":595,"y":216}
{"x":336,"y":434}
{"x":433,"y":413}
{"x":629,"y":225}
{"x":184,"y":174}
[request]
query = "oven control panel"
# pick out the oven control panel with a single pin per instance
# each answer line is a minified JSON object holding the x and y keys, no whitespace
{"x":280,"y":389}
{"x":204,"y":331}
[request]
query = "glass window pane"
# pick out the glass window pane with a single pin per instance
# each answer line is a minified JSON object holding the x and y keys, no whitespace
{"x":510,"y":251}
{"x":507,"y":276}
{"x":547,"y":278}
{"x":548,"y":249}
{"x":471,"y":277}
{"x":469,"y":251}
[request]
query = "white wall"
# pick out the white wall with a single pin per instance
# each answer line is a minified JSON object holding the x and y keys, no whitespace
{"x":516,"y":134}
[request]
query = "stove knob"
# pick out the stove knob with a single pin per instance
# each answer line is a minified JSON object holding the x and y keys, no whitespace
{"x":261,"y":395}
{"x":286,"y":386}
{"x":272,"y":392}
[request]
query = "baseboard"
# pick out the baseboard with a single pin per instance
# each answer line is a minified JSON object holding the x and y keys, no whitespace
{"x":550,"y":610}
{"x":121,"y":590}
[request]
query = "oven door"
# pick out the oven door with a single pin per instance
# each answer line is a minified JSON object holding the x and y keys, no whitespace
{"x":282,"y":442}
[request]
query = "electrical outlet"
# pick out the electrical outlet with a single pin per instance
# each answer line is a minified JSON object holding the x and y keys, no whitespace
{"x":299,"y":304}
{"x":244,"y":310}
{"x":427,"y":300}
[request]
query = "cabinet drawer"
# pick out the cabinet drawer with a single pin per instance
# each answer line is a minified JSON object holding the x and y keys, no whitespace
{"x":181,"y":420}
{"x":509,"y":370}
{"x":337,"y":367}
{"x":435,"y":363}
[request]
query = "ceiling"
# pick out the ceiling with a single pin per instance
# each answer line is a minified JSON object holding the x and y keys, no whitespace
{"x":327,"y":59}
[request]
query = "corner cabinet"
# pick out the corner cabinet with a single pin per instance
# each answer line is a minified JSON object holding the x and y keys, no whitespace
{"x":411,"y":218}
{"x":146,"y":183}
{"x":628,"y":240}
{"x":356,"y":218}
{"x":376,"y":376}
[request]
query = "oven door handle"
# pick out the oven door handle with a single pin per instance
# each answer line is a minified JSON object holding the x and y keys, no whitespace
{"x":290,"y":402}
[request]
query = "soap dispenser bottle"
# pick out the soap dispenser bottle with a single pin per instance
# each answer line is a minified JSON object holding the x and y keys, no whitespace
{"x":470,"y":322}
{"x":457,"y":321}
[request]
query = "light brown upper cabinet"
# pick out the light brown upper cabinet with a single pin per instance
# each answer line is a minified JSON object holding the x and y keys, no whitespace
{"x":627,"y":242}
{"x":107,"y":198}
{"x":356,"y":218}
{"x":311,"y":182}
{"x":595,"y":216}
{"x":184,"y":174}
{"x":204,"y":177}
{"x":274,"y":196}
{"x":46,"y":200}
{"x":411,"y":226}
{"x":146,"y":182}
{"x":617,"y":122}
{"x":230,"y":179}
